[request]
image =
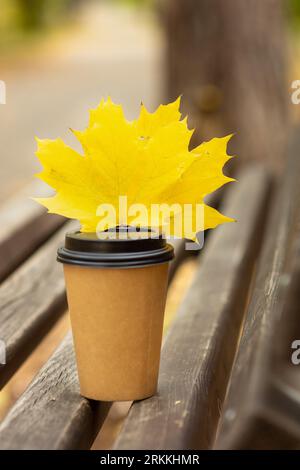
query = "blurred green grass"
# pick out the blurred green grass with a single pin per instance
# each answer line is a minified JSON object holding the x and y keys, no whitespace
{"x":25,"y":19}
{"x":294,"y":12}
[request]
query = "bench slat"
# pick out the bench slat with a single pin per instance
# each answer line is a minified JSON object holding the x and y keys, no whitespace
{"x":57,"y":417}
{"x":31,"y":300}
{"x":180,"y":254}
{"x":262,"y":408}
{"x":25,"y":225}
{"x":51,"y":413}
{"x":199,"y":350}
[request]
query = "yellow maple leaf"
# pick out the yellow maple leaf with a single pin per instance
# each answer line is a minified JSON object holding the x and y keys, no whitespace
{"x":147,"y":160}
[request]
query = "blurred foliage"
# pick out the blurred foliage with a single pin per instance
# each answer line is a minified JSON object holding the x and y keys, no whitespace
{"x":19,"y":18}
{"x":24,"y":17}
{"x":35,"y":14}
{"x":294,"y":12}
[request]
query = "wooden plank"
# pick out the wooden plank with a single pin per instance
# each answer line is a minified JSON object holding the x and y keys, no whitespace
{"x":24,"y":226}
{"x":31,"y":300}
{"x":180,"y":254}
{"x":51,"y":414}
{"x":199,"y":349}
{"x":182,"y":248}
{"x":262,"y":408}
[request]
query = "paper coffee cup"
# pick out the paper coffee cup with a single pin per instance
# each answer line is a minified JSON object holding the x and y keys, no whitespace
{"x":116,"y":293}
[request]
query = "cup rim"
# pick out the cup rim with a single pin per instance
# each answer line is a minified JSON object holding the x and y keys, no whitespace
{"x":83,"y":249}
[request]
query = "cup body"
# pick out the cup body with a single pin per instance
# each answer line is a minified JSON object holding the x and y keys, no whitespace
{"x":116,"y":290}
{"x":117,"y":321}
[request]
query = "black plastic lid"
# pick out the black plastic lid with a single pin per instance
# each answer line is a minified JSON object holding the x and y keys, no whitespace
{"x":87,"y":249}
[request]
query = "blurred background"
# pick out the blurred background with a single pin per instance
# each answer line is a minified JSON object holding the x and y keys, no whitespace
{"x":233,"y":61}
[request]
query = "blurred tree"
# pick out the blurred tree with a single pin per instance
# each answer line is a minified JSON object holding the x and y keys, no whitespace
{"x":227,"y":58}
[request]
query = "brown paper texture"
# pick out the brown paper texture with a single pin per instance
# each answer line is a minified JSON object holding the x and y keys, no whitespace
{"x":117,"y":321}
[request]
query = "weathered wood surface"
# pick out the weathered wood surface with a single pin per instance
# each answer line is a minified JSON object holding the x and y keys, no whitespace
{"x":184,"y":248}
{"x":199,"y":349}
{"x":24,"y":226}
{"x":31,"y":299}
{"x":262,"y":408}
{"x":51,"y":414}
{"x":180,"y":253}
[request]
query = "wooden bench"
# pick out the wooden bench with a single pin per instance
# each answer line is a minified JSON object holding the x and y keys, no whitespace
{"x":226,"y":377}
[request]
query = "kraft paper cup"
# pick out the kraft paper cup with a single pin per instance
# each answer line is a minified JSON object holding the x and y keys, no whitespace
{"x":116,"y":293}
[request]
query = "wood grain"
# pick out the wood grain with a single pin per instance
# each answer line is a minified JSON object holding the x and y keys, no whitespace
{"x":51,"y":414}
{"x":183,"y":248}
{"x":24,"y":227}
{"x":199,"y":349}
{"x":31,"y":300}
{"x":262,"y":408}
{"x":180,"y":254}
